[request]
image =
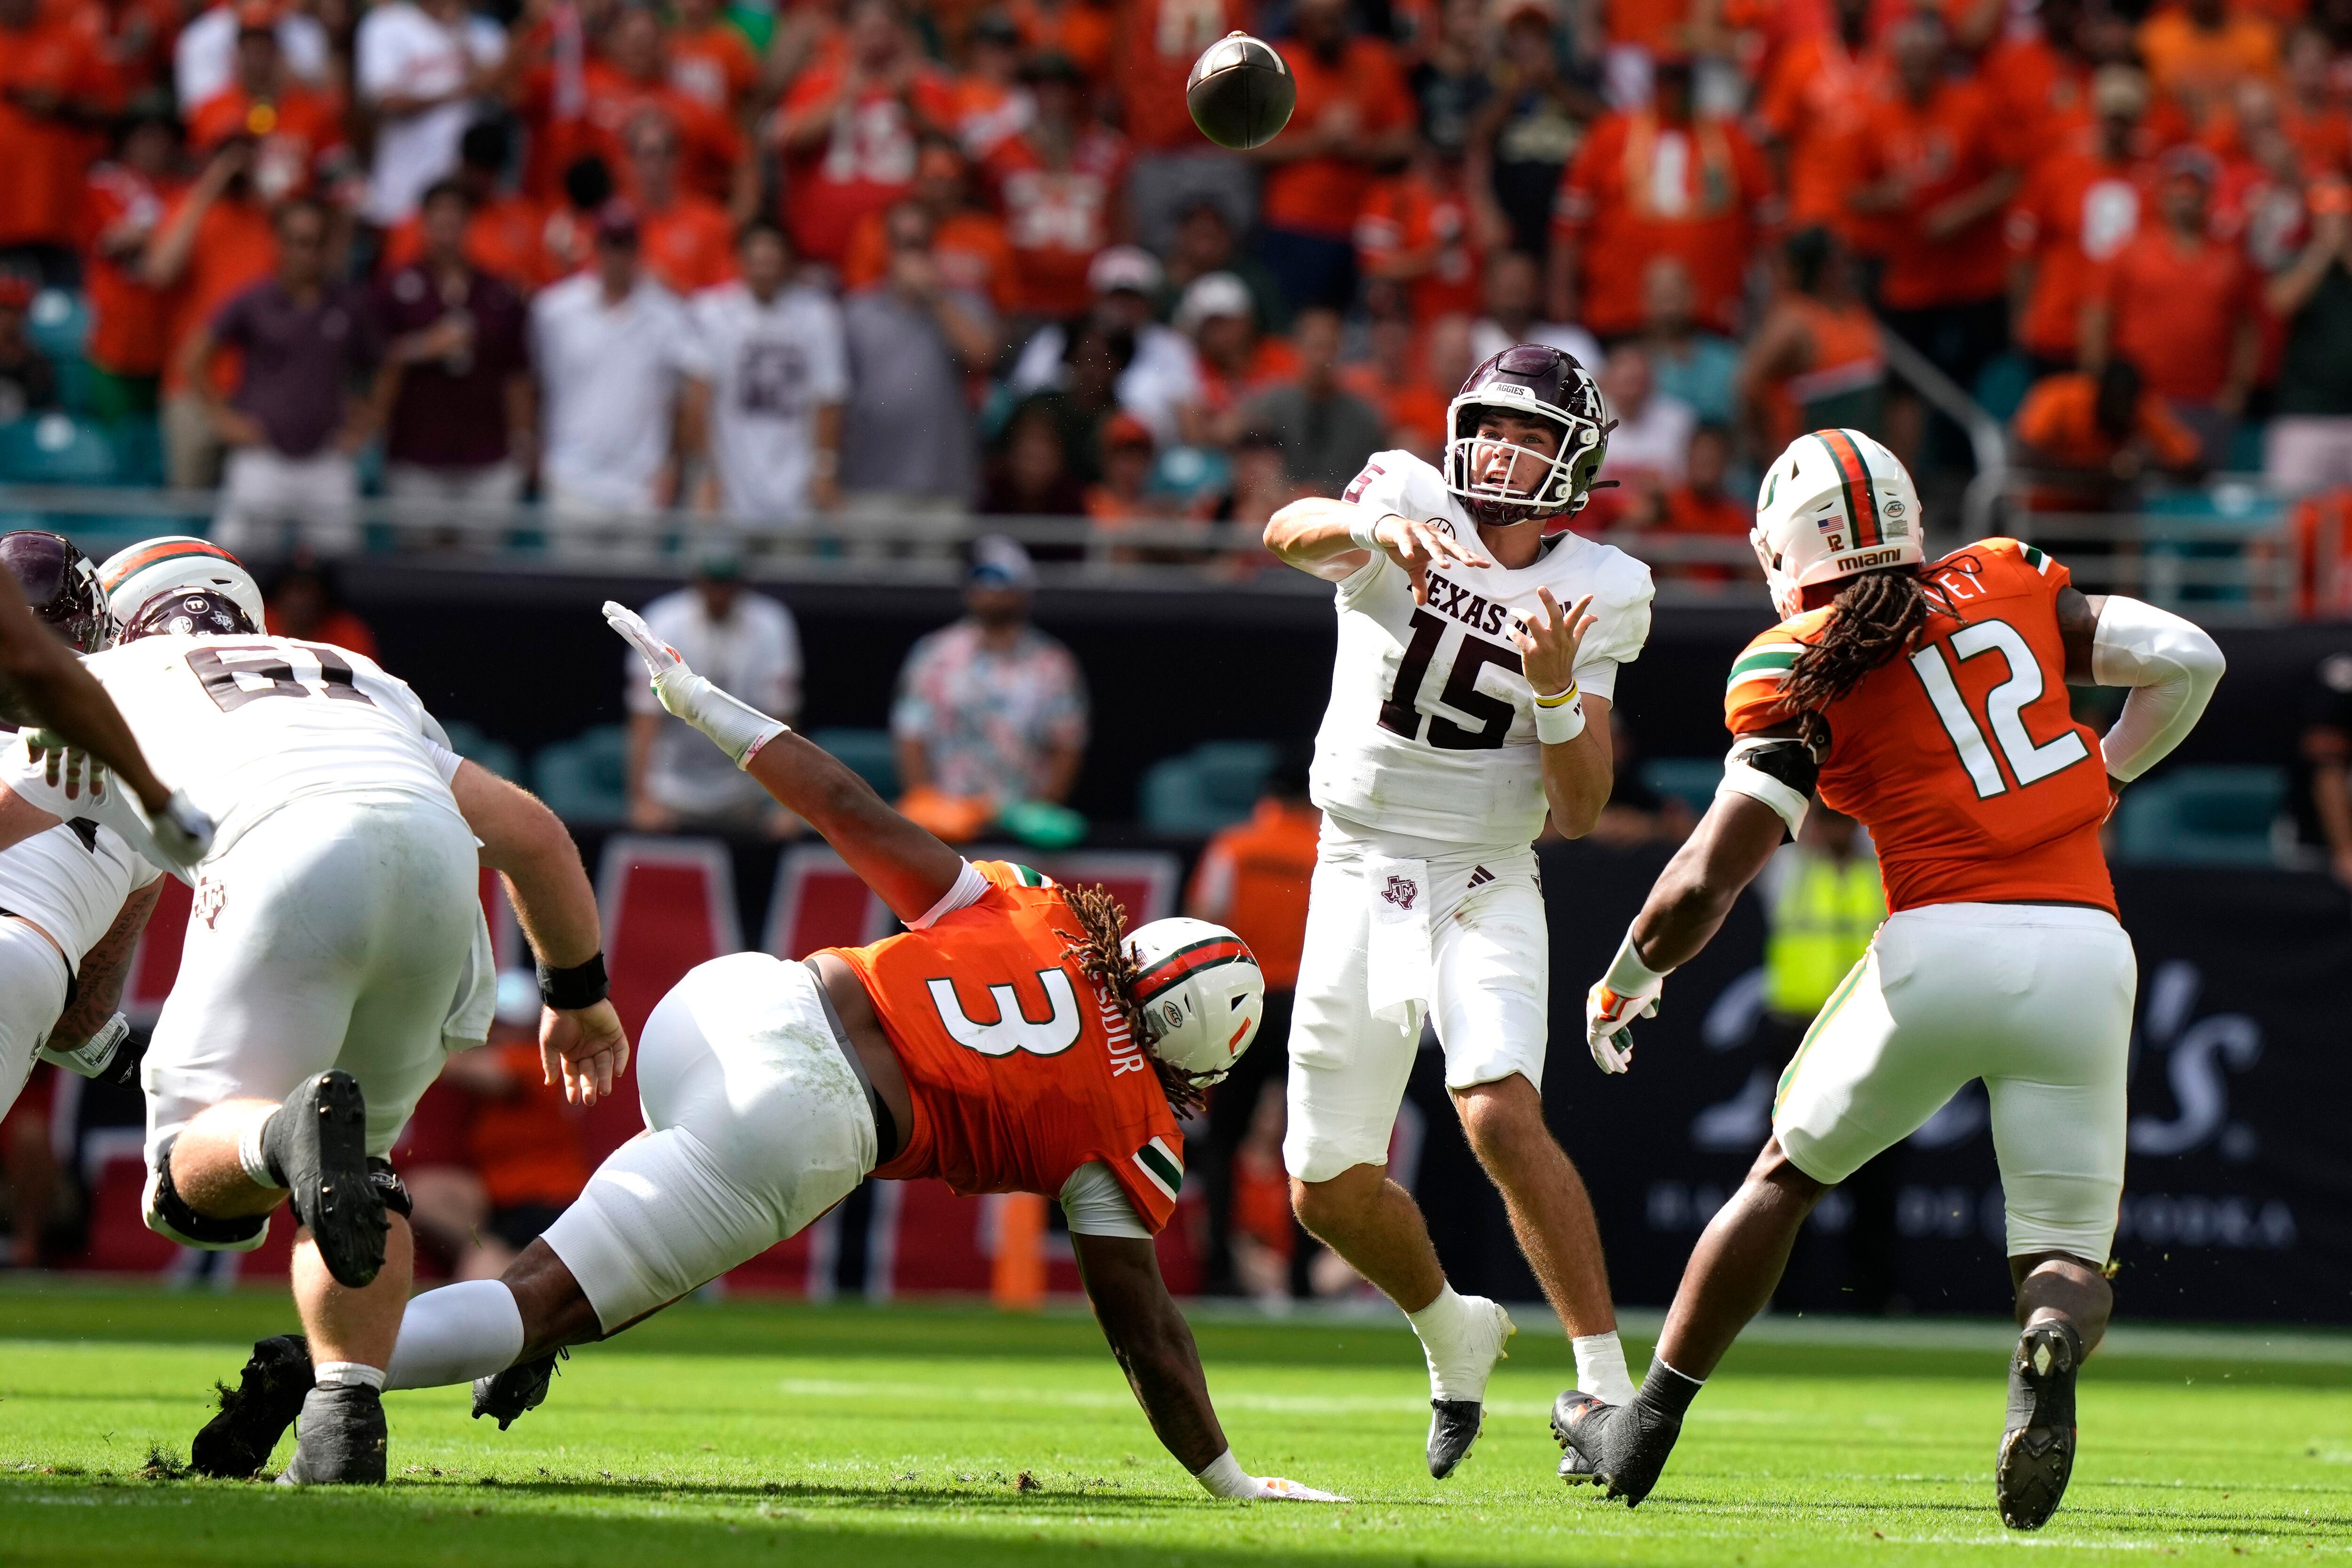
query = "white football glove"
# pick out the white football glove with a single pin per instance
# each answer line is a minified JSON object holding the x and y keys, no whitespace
{"x":183,"y":835}
{"x":67,"y":762}
{"x":1225,"y":1478}
{"x":1629,"y":990}
{"x":735,"y":726}
{"x":94,"y":1057}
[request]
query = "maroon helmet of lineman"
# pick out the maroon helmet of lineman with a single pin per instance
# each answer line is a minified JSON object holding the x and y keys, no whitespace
{"x":62,"y":586}
{"x":189,"y":612}
{"x":1530,"y":380}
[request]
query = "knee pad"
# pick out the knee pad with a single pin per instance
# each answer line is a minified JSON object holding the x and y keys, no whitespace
{"x":168,"y":1215}
{"x":390,"y":1187}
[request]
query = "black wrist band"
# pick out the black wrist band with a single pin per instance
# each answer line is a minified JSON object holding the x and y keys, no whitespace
{"x":582,"y":986}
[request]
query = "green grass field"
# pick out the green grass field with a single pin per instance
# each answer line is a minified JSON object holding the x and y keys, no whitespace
{"x":753,"y":1433}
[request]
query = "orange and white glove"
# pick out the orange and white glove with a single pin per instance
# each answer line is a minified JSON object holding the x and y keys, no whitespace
{"x":735,"y":726}
{"x":1224,"y":1477}
{"x":1629,"y":990}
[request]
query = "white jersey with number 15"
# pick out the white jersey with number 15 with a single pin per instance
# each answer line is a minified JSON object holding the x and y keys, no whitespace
{"x":1430,"y":728}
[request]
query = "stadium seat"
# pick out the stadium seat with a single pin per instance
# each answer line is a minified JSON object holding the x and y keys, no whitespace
{"x":1212,"y":785}
{"x":58,"y":323}
{"x":869,"y":754}
{"x":1690,"y":780}
{"x":585,"y":779}
{"x":2215,"y":816}
{"x":57,"y":450}
{"x":471,"y":743}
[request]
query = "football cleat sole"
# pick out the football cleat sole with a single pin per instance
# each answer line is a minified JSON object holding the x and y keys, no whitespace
{"x":521,"y":1387}
{"x":2037,"y":1451}
{"x":341,"y":1439}
{"x":1622,"y":1447}
{"x":236,"y":1444}
{"x":319,"y":1141}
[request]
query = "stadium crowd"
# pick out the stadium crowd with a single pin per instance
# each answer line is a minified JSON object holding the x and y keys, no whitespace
{"x":852,"y":258}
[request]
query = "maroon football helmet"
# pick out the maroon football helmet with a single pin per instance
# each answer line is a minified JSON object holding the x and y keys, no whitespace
{"x":62,"y":586}
{"x":189,"y":612}
{"x":1531,"y":381}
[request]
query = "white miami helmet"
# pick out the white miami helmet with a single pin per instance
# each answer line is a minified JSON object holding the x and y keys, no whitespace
{"x":176,"y":564}
{"x":1835,"y":503}
{"x":1200,"y":993}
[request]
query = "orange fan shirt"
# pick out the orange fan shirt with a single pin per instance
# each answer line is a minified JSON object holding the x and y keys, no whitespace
{"x":2174,"y":312}
{"x":969,"y":248}
{"x":508,"y":237}
{"x":865,"y":165}
{"x":235,"y":245}
{"x":1056,"y":219}
{"x":713,"y":65}
{"x":1158,"y":42}
{"x":1410,"y":218}
{"x":294,"y":130}
{"x":1661,"y":27}
{"x":2041,"y":96}
{"x":1020,"y":1071}
{"x":1938,"y":150}
{"x":1322,"y":195}
{"x":1253,"y":878}
{"x":2076,"y":212}
{"x":689,"y":245}
{"x":1640,"y":189}
{"x":708,"y":144}
{"x":1412,"y":411}
{"x":1961,"y":758}
{"x":1084,"y":31}
{"x":128,"y":320}
{"x":47,"y":156}
{"x":1812,"y":105}
{"x":2060,"y":420}
{"x":2197,"y":70}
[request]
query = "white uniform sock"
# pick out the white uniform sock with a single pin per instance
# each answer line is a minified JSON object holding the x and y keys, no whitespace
{"x":1600,"y":1368}
{"x":456,"y":1334}
{"x":347,"y":1373}
{"x":1458,"y":1362}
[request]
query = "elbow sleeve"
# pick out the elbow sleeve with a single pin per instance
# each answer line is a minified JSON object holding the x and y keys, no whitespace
{"x":1775,"y":771}
{"x":2172,"y":666}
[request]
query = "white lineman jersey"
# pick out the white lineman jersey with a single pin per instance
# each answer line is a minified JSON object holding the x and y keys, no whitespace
{"x":246,"y":724}
{"x":1431,"y":728}
{"x":71,"y":881}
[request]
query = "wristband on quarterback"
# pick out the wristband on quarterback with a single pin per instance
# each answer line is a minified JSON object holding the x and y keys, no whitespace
{"x":1560,"y":717}
{"x":1364,"y":529}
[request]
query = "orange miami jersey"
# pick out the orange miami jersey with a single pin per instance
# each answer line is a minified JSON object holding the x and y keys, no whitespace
{"x":1019,"y":1069}
{"x":1960,"y":757}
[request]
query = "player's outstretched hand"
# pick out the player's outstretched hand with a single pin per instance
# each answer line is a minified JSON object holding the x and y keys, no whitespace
{"x":66,"y":763}
{"x":585,"y":1049}
{"x":734,"y":726}
{"x":660,"y":656}
{"x":1418,"y":546}
{"x":1608,"y":1026}
{"x":1547,"y":646}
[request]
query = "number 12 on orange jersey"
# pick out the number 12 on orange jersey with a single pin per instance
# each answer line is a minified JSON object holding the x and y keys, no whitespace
{"x":2029,"y":763}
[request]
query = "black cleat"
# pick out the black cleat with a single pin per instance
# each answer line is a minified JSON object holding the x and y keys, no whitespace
{"x":317,"y":1143}
{"x":1454,"y":1426}
{"x":341,"y":1438}
{"x":522,"y":1386}
{"x":2037,"y":1451}
{"x":1621,"y":1446}
{"x":236,"y":1444}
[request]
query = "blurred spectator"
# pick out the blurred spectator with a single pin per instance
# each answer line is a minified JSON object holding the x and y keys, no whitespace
{"x":28,"y":1162}
{"x":121,"y":207}
{"x":491,"y":1155}
{"x":2197,"y":51}
{"x":745,"y":642}
{"x":968,"y":244}
{"x":1354,"y":114}
{"x":1650,"y":444}
{"x":623,"y":394}
{"x":1698,"y":367}
{"x":1533,"y":124}
{"x":779,"y":367}
{"x":1261,"y":484}
{"x":1635,"y":813}
{"x":1326,"y":432}
{"x":1081,"y":32}
{"x":1811,"y":106}
{"x":1126,"y":453}
{"x":709,"y":58}
{"x":2307,"y":446}
{"x":1394,"y":382}
{"x":2323,"y":772}
{"x":1700,"y":506}
{"x":907,"y":442}
{"x":214,"y":241}
{"x":1816,"y":361}
{"x":1429,"y":231}
{"x":506,"y":232}
{"x":1263,"y":1241}
{"x":1176,"y":168}
{"x":1033,"y":475}
{"x":1085,"y":396}
{"x":1237,"y":363}
{"x":28,"y":381}
{"x":2042,"y":78}
{"x":455,"y":397}
{"x":204,"y":56}
{"x":292,"y":425}
{"x":306,"y":601}
{"x":848,"y":129}
{"x":2094,"y":437}
{"x":1162,"y":378}
{"x":1666,"y":180}
{"x":2311,"y":110}
{"x":297,"y":130}
{"x":630,"y":78}
{"x":1253,"y":877}
{"x":992,"y":103}
{"x":419,"y":65}
{"x":1514,"y":290}
{"x":1454,"y":80}
{"x":2181,"y":306}
{"x":2079,"y":207}
{"x":687,"y":243}
{"x":1203,"y":245}
{"x":1060,"y":181}
{"x":991,"y":712}
{"x":48,"y":72}
{"x":1933,"y":163}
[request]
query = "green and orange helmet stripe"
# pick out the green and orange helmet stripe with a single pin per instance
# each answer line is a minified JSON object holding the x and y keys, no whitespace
{"x":1173,"y":968}
{"x":119,"y":568}
{"x":1861,"y":500}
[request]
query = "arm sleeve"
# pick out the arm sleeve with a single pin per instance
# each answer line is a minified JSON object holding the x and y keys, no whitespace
{"x":1096,"y":1204}
{"x":2171,"y":664}
{"x":969,"y":887}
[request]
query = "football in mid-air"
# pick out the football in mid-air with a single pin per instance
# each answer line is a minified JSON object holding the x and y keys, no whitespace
{"x":1241,"y":94}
